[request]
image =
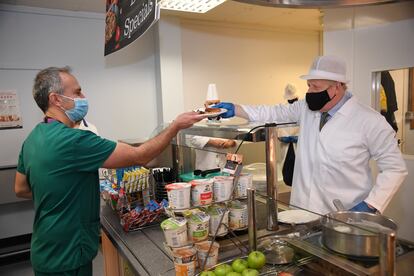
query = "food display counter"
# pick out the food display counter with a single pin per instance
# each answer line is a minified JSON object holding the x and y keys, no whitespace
{"x":144,"y":251}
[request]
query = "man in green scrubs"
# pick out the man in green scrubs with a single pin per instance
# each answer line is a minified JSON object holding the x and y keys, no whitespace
{"x":58,"y":167}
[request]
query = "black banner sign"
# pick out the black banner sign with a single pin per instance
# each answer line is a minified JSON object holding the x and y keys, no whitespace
{"x":127,"y":20}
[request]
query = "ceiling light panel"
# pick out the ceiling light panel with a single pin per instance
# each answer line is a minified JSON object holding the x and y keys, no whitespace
{"x":199,"y":6}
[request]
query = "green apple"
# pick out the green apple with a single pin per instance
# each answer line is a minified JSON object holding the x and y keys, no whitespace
{"x":250,"y":272}
{"x":222,"y":270}
{"x":239,"y":265}
{"x":233,"y":274}
{"x":207,"y":273}
{"x":256,"y":259}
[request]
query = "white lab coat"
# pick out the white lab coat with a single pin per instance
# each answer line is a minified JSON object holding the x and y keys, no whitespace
{"x":206,"y":157}
{"x":334,"y":163}
{"x":90,"y":127}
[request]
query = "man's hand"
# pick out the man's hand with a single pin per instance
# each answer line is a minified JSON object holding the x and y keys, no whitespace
{"x":221,"y":143}
{"x":230,"y":109}
{"x":229,"y":144}
{"x":187,"y":119}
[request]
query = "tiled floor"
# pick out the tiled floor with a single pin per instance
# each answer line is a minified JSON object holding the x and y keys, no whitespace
{"x":25,"y":268}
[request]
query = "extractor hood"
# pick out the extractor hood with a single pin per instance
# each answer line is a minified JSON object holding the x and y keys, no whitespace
{"x":317,"y":3}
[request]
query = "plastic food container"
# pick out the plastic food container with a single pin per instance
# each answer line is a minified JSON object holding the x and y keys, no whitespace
{"x":201,"y":191}
{"x":179,"y":195}
{"x":202,"y":253}
{"x":175,"y":231}
{"x":216,"y":212}
{"x":238,"y":215}
{"x":223,"y":187}
{"x":187,"y":177}
{"x":245,"y":181}
{"x":185,"y":261}
{"x":258,"y":172}
{"x":198,"y":226}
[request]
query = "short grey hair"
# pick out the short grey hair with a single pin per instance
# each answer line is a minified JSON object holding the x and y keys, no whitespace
{"x":46,"y":81}
{"x":342,"y":84}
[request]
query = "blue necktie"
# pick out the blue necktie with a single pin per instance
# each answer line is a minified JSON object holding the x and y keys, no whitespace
{"x":324,"y":119}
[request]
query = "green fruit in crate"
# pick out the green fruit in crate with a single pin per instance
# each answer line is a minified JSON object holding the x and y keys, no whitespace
{"x":239,"y":265}
{"x":233,"y":274}
{"x":256,"y":259}
{"x":250,"y":272}
{"x":222,"y":270}
{"x":207,"y":273}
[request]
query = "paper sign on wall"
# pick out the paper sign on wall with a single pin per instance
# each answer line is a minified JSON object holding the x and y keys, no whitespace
{"x":10,"y":116}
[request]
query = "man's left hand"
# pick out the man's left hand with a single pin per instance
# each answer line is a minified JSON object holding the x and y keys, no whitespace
{"x":363,"y":207}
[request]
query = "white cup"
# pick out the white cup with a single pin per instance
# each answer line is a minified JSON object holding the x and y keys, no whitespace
{"x":212,"y":94}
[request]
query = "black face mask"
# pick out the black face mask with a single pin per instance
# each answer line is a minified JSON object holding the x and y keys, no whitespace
{"x":292,"y":100}
{"x":317,"y":100}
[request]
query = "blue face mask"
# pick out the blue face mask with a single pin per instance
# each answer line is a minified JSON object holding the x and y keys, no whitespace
{"x":79,"y":111}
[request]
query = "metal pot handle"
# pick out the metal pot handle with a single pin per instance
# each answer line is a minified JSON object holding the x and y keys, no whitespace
{"x":338,"y":205}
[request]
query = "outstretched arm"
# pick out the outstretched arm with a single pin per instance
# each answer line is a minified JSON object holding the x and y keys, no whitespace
{"x":125,"y":155}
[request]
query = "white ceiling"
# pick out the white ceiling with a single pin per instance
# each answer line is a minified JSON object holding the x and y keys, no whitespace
{"x":240,"y":13}
{"x":229,"y":12}
{"x":236,"y":12}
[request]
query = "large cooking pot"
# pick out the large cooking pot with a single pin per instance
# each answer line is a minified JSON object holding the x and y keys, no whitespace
{"x":355,"y":233}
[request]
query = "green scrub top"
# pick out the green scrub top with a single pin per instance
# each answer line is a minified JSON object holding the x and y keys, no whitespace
{"x":61,"y":166}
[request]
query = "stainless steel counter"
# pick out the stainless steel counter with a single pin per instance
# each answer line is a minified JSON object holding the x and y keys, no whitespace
{"x":143,"y":249}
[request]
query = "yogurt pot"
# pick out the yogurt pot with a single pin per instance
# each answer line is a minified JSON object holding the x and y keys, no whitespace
{"x":222,"y":188}
{"x":179,"y":195}
{"x":185,"y":261}
{"x":175,"y":231}
{"x":201,"y":191}
{"x":198,"y":226}
{"x":216,"y":212}
{"x":245,"y":181}
{"x":202,"y":254}
{"x":238,"y":215}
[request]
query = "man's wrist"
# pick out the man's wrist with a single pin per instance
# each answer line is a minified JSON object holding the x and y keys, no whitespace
{"x":174,"y":128}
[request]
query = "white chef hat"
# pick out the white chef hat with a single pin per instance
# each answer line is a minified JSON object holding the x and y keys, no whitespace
{"x":327,"y":68}
{"x":290,"y":92}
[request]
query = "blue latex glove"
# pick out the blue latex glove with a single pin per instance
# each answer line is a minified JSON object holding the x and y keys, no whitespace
{"x":363,"y":207}
{"x":228,"y":106}
{"x":288,"y":139}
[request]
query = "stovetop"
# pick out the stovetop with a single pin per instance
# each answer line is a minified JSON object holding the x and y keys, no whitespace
{"x":402,"y":248}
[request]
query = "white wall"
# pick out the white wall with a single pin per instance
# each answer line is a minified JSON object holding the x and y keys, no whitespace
{"x":378,"y":48}
{"x":169,"y":69}
{"x":121,"y":87}
{"x":249,"y":65}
